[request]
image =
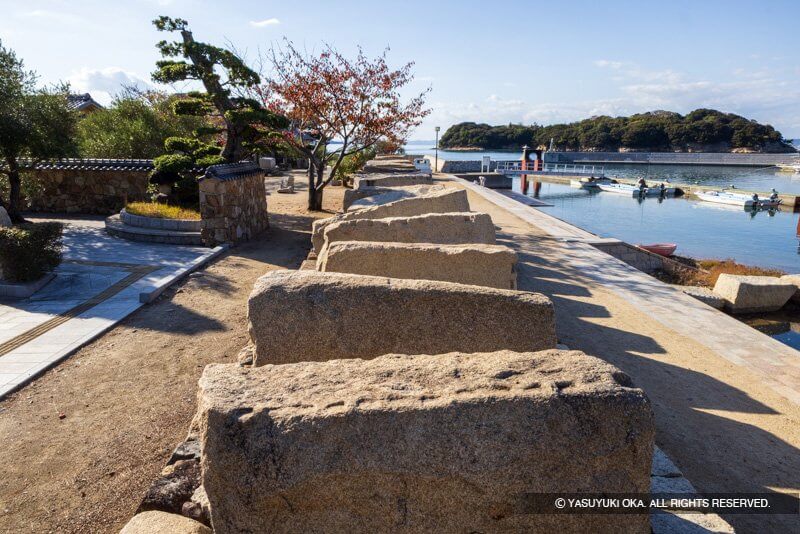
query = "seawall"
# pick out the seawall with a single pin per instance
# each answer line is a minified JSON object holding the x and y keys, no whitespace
{"x":671,"y":158}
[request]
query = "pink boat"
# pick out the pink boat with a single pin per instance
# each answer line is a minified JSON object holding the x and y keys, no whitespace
{"x":662,"y":249}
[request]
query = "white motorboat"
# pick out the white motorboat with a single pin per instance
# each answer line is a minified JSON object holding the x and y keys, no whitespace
{"x":589,"y":183}
{"x":738,"y":199}
{"x":636,"y":191}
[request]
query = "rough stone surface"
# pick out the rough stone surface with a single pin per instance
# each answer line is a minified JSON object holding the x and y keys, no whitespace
{"x":481,"y":265}
{"x":233,"y":210}
{"x":794,"y":279}
{"x":439,"y":228}
{"x":389,"y":164}
{"x":176,"y":485}
{"x":163,"y":523}
{"x":299,"y":316}
{"x":751,"y":294}
{"x":391,"y":180}
{"x":5,"y":220}
{"x":87,"y":190}
{"x":375,"y":196}
{"x":447,"y":200}
{"x":427,"y":443}
{"x":705,"y":295}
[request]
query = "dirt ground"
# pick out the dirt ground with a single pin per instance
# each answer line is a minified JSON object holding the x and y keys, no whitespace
{"x":129,"y":396}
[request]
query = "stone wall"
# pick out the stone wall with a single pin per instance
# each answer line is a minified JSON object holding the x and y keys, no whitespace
{"x":233,"y":203}
{"x":641,"y":259}
{"x":88,"y":186}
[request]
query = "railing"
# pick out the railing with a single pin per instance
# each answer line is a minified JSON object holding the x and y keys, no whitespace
{"x":515,"y":167}
{"x":571,"y":168}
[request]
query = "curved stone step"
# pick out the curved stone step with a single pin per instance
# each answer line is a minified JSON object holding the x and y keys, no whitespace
{"x":116,"y":227}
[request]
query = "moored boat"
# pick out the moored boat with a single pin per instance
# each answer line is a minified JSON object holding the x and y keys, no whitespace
{"x":789,"y":167}
{"x":636,"y":191}
{"x":589,"y":183}
{"x":623,"y":189}
{"x":662,"y":249}
{"x":738,"y":199}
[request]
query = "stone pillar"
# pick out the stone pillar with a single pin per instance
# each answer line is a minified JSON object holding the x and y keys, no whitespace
{"x":233,"y":203}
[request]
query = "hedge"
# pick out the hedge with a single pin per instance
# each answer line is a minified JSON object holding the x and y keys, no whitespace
{"x":29,"y":251}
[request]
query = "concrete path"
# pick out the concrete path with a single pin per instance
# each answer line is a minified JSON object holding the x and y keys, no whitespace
{"x":101,"y":281}
{"x":725,"y":396}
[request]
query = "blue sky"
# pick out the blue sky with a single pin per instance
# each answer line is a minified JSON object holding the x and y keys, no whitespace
{"x":495,"y":62}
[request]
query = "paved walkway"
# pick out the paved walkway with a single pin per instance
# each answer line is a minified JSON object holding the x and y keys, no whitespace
{"x":725,"y":396}
{"x":101,"y":281}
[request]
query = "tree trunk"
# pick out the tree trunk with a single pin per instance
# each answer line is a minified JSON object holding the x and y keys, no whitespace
{"x":316,"y":174}
{"x":14,"y":195}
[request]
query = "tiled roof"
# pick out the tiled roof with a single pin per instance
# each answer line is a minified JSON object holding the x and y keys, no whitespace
{"x":232,"y":171}
{"x":90,"y":164}
{"x":83,"y":101}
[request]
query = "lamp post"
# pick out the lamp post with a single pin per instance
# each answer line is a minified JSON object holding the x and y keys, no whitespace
{"x":436,"y":148}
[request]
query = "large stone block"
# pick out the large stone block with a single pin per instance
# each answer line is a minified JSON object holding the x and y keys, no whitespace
{"x":440,"y":228}
{"x":752,"y":294}
{"x":794,"y":279}
{"x":480,"y":265}
{"x":428,"y":443}
{"x":391,"y":180}
{"x":375,"y":196}
{"x":447,"y":200}
{"x":299,"y":316}
{"x":155,"y":522}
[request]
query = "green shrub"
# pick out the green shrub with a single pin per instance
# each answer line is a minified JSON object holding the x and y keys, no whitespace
{"x":29,"y":251}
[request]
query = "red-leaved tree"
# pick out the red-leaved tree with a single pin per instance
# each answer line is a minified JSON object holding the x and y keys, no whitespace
{"x":328,"y":97}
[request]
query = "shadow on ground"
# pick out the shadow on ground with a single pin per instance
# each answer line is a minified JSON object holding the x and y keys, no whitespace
{"x":716,"y":452}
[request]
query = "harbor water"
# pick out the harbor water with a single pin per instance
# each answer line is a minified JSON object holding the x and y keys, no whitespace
{"x":701,"y":230}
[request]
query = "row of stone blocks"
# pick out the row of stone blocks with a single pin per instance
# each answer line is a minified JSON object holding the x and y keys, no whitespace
{"x":391,"y":403}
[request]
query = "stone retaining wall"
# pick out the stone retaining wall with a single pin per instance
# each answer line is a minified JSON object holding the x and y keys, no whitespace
{"x":160,"y":223}
{"x":233,"y":203}
{"x":641,"y":259}
{"x":446,"y":443}
{"x":88,"y":186}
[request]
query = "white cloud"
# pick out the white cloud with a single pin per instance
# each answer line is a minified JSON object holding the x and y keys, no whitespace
{"x":104,"y":84}
{"x":768,"y":95}
{"x":264,"y":23}
{"x":605,"y":63}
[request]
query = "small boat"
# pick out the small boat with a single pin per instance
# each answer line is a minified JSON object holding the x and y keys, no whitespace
{"x":622,"y":189}
{"x":789,"y":167}
{"x":589,"y":183}
{"x":662,"y":249}
{"x":634,"y":190}
{"x":738,"y":199}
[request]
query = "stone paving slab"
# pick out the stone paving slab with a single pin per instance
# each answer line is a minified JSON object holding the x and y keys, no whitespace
{"x":100,"y":282}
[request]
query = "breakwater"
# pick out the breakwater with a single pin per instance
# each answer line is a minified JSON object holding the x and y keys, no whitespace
{"x":671,"y":158}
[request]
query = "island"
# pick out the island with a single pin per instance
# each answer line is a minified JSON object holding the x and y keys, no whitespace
{"x":702,"y":130}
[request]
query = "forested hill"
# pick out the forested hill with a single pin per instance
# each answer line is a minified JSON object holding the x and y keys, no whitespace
{"x":702,"y":130}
